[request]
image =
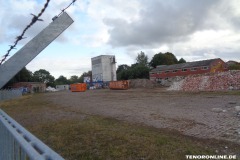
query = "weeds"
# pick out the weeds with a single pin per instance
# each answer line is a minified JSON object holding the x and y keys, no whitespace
{"x":96,"y":137}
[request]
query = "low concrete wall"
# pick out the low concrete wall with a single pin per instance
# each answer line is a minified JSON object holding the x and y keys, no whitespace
{"x":10,"y":94}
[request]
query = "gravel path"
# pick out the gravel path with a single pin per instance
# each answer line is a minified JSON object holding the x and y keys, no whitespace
{"x":201,"y":115}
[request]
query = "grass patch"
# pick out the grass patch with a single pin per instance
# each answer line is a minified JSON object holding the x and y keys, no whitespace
{"x":96,"y":137}
{"x":103,"y":138}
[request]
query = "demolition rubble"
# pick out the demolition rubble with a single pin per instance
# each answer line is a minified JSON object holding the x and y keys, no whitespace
{"x":221,"y":81}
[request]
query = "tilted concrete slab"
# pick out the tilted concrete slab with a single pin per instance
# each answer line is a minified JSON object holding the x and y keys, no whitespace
{"x":27,"y":53}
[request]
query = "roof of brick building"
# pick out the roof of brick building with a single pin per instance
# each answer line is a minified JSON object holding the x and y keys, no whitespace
{"x":185,"y":65}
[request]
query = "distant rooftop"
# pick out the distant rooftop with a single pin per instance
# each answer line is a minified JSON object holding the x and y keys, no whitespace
{"x":185,"y":65}
{"x":103,"y":56}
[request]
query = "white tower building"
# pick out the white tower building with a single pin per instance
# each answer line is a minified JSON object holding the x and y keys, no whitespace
{"x":104,"y":68}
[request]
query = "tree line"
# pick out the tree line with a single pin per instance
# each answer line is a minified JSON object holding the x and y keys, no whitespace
{"x":234,"y":66}
{"x":44,"y":76}
{"x":141,"y":68}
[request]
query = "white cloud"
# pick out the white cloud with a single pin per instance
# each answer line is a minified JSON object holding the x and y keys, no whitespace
{"x":98,"y":10}
{"x":61,"y":65}
{"x":190,"y":29}
{"x":209,"y":44}
{"x":186,"y":27}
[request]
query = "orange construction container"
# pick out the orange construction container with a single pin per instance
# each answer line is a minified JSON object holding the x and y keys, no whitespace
{"x":119,"y":84}
{"x":78,"y":87}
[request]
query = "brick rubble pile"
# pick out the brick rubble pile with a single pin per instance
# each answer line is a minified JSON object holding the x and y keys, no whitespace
{"x":141,"y":83}
{"x":221,"y":81}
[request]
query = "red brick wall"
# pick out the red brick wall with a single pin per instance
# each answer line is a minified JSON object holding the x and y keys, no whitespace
{"x":22,"y":84}
{"x":216,"y":66}
{"x":31,"y":85}
{"x":180,"y":73}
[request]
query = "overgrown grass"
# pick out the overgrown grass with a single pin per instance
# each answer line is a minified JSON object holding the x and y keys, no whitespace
{"x":103,"y":138}
{"x":96,"y":137}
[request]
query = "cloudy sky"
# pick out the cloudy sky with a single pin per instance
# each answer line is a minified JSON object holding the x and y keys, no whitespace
{"x":191,"y":29}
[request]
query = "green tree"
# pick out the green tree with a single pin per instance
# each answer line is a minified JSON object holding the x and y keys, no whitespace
{"x":22,"y":76}
{"x":234,"y":66}
{"x":158,"y":59}
{"x":122,"y":67}
{"x":181,"y":60}
{"x":138,"y":71}
{"x":163,"y":59}
{"x":170,"y":59}
{"x":73,"y":79}
{"x":142,"y":59}
{"x":123,"y":72}
{"x":61,"y":80}
{"x":44,"y":76}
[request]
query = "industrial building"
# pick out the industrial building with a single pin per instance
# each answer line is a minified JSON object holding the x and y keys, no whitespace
{"x":62,"y":87}
{"x":104,"y":68}
{"x":31,"y":87}
{"x":164,"y":72}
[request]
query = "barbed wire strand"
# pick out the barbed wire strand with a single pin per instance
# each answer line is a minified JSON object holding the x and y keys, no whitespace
{"x":19,"y":38}
{"x":63,"y":10}
{"x":33,"y":21}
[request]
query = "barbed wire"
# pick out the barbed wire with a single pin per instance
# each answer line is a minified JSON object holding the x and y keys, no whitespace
{"x":63,"y":10}
{"x":34,"y":20}
{"x":19,"y":38}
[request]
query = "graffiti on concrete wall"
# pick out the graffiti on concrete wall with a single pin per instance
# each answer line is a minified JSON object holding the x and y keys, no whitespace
{"x":86,"y":79}
{"x":97,"y":77}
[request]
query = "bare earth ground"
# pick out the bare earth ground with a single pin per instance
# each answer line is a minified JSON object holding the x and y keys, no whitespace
{"x":189,"y":113}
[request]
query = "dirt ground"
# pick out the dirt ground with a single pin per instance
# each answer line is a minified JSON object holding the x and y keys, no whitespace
{"x":203,"y":115}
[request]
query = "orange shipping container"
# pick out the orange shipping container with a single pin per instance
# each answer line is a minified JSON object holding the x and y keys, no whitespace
{"x":78,"y":87}
{"x":119,"y":84}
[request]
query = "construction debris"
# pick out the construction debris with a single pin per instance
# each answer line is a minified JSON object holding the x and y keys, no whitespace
{"x":217,"y":110}
{"x":142,"y":83}
{"x":237,"y":108}
{"x":221,"y":81}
